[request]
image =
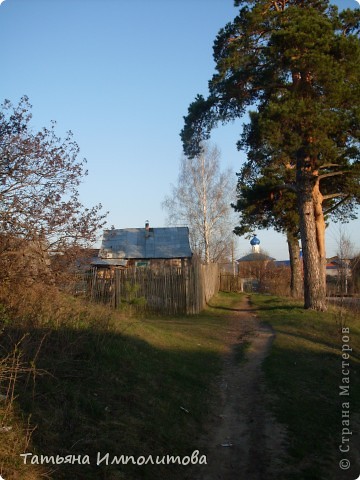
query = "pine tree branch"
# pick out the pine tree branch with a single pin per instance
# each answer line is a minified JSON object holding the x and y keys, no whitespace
{"x":332,"y":174}
{"x":337,"y":205}
{"x":329,"y":165}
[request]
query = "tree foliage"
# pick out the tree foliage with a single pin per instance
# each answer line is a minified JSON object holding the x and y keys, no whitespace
{"x":263,"y":202}
{"x":39,"y":178}
{"x":298,"y":63}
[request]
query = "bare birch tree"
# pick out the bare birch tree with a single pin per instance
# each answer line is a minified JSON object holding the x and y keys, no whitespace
{"x":345,"y":254}
{"x":202,"y":200}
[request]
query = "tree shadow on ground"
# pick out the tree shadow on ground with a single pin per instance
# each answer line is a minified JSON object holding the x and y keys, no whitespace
{"x":100,"y":393}
{"x":303,"y":380}
{"x":231,"y":309}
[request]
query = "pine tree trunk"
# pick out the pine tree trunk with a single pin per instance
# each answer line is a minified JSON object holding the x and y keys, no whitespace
{"x":312,"y":230}
{"x":296,"y":282}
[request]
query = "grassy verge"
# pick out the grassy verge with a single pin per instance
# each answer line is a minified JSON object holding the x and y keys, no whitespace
{"x":304,"y":371}
{"x":98,"y":381}
{"x":91,"y":380}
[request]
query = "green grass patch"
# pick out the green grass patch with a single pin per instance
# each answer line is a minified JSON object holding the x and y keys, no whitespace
{"x":104,"y":382}
{"x":94,"y":380}
{"x":304,"y":372}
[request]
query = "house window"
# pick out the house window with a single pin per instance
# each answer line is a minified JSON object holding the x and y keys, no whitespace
{"x":142,"y":264}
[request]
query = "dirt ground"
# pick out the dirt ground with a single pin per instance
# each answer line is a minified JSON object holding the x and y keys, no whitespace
{"x":243,"y":440}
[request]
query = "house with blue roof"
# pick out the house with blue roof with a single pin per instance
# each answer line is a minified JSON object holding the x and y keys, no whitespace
{"x":144,"y":247}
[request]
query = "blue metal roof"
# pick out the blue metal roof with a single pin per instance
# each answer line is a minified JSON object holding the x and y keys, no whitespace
{"x":138,"y":243}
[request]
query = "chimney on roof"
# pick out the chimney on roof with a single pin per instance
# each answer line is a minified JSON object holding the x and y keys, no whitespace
{"x":147,"y":229}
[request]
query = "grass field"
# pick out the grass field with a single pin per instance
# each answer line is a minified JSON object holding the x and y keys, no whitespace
{"x":84,"y":379}
{"x":118,"y":385}
{"x":304,"y":372}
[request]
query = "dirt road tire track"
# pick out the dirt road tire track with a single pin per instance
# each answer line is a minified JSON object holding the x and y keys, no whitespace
{"x":243,"y":440}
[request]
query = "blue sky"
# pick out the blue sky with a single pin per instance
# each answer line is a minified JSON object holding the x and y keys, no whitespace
{"x":120,"y":74}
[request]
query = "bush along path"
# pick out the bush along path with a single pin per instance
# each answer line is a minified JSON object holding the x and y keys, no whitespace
{"x":243,"y":440}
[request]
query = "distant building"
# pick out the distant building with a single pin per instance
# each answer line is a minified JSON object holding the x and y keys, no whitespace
{"x":255,"y":255}
{"x":253,"y":266}
{"x":255,"y":244}
{"x":339,"y":275}
{"x":336,"y":266}
{"x":144,"y":247}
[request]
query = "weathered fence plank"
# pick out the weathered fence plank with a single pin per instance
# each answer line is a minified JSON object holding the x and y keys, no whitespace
{"x":167,"y":290}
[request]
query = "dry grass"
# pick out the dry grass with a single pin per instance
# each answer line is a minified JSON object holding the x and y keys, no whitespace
{"x":15,"y":430}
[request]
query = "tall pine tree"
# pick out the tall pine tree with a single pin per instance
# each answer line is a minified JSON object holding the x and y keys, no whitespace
{"x":298,"y":63}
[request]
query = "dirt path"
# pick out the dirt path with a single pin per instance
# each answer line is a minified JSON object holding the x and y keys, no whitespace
{"x":243,"y":442}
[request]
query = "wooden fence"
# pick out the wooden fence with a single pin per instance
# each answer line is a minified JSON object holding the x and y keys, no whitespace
{"x":166,"y":290}
{"x":231,"y":283}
